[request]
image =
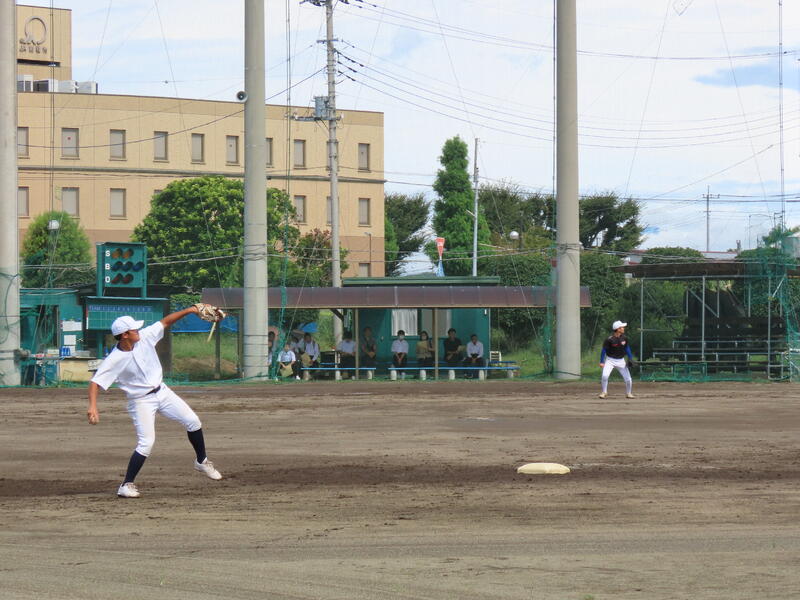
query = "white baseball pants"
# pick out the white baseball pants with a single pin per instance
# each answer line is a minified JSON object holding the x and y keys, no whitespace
{"x":168,"y":403}
{"x":622,"y":367}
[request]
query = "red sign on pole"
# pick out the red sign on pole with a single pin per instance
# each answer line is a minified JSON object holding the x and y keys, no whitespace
{"x":440,"y":246}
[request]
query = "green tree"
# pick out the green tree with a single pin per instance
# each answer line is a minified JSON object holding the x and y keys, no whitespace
{"x":605,"y":288}
{"x":608,"y":222}
{"x":451,"y":211}
{"x":390,"y":248}
{"x":408,"y":214}
{"x":61,"y":257}
{"x":508,"y":208}
{"x":520,"y":325}
{"x":313,"y":255}
{"x":195,"y":230}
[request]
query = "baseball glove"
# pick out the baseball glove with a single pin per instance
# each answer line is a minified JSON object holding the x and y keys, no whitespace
{"x":209,"y":313}
{"x":631,"y":364}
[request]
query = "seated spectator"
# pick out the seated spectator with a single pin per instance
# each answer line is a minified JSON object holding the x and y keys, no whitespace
{"x":288,"y":365}
{"x":310,"y":352}
{"x":369,"y":348}
{"x":452,"y":348}
{"x":400,"y":352}
{"x":424,"y":350}
{"x":474,"y":355}
{"x":347,"y":353}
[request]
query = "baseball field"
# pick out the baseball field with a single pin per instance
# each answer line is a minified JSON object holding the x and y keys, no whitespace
{"x":407,"y":490}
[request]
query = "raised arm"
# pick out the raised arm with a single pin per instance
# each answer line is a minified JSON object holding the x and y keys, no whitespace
{"x":177,"y":316}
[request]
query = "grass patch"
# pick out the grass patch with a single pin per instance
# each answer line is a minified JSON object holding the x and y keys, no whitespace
{"x":531,"y":362}
{"x":193,"y":356}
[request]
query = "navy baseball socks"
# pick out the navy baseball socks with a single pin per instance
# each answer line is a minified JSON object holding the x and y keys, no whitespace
{"x":202,"y":463}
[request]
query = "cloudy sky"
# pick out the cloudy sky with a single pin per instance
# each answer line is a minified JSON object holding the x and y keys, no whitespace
{"x":675,"y":96}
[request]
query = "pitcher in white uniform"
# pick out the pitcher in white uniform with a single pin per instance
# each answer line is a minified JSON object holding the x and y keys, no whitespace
{"x":134,"y":365}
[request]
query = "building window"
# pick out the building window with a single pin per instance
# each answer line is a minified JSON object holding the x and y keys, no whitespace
{"x":299,"y":153}
{"x":117,"y":143}
{"x":328,"y":211}
{"x":160,"y":145}
{"x":117,"y":204}
{"x":363,"y":211}
{"x":300,"y":208}
{"x":269,"y":152}
{"x":405,"y":319}
{"x":23,"y":151}
{"x":69,"y":142}
{"x":23,"y":205}
{"x":232,"y":149}
{"x":363,"y":269}
{"x":363,"y":157}
{"x":70,"y":201}
{"x":198,"y":147}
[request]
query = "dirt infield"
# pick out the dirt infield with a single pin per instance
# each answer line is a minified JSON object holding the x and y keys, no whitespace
{"x":357,"y":490}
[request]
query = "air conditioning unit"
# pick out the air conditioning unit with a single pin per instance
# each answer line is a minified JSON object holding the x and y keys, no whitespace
{"x":68,"y":87}
{"x":24,"y":83}
{"x":87,"y":87}
{"x":45,"y":85}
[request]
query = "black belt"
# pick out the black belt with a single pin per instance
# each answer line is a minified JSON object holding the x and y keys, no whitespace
{"x":153,"y":391}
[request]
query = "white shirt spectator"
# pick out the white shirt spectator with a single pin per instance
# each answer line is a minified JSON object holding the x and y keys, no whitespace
{"x":399,"y":346}
{"x":286,"y":357}
{"x":476,"y":348}
{"x":311,"y":348}
{"x":346,"y":346}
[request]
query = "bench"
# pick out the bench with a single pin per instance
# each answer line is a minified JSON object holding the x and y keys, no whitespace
{"x":336,"y":370}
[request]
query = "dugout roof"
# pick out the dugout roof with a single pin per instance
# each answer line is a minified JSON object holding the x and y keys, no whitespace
{"x":423,"y":296}
{"x":718,"y":269}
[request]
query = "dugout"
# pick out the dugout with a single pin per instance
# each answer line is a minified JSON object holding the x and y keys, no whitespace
{"x":412,"y":304}
{"x":738,"y":318}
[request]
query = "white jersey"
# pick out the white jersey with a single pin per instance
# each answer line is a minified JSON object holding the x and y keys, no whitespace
{"x":138,"y":371}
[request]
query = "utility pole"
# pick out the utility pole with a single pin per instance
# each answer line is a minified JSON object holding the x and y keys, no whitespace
{"x":708,"y":195}
{"x":9,"y":251}
{"x":568,"y":291}
{"x":333,"y":161}
{"x":326,"y":111}
{"x":475,"y":214}
{"x":255,"y":340}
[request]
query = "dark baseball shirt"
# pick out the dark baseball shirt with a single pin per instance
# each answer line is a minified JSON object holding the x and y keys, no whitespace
{"x":616,"y":347}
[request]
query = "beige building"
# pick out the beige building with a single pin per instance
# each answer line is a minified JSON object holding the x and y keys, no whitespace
{"x":102,"y":157}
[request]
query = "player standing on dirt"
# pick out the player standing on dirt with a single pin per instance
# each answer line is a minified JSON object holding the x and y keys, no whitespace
{"x":134,"y":365}
{"x":616,"y":354}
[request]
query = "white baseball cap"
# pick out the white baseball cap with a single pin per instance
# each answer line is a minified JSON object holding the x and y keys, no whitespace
{"x":614,"y":327}
{"x":123,"y":324}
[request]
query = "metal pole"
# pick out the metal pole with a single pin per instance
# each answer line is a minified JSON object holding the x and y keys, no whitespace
{"x":708,"y":218}
{"x":333,"y":162}
{"x":568,"y":327}
{"x":475,"y":213}
{"x":641,"y":322}
{"x":703,"y":322}
{"x":9,"y":250}
{"x":769,"y":327}
{"x":255,"y":343}
{"x":436,"y":344}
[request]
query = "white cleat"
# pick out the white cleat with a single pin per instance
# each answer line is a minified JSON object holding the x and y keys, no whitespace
{"x":128,"y":490}
{"x":207,"y":468}
{"x":602,"y":395}
{"x":630,"y":396}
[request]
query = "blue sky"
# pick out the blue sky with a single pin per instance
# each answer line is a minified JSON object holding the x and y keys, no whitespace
{"x":661,"y":117}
